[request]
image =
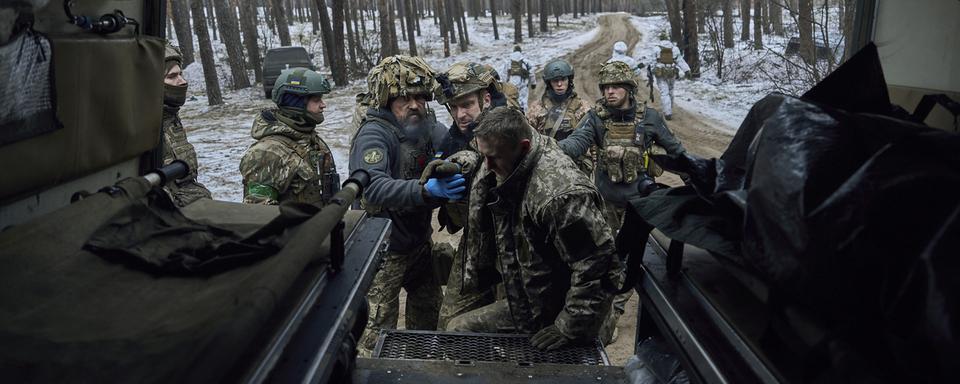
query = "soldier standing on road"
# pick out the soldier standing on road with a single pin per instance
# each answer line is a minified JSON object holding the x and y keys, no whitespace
{"x":289,"y":161}
{"x":394,"y":144}
{"x":175,"y":145}
{"x":625,"y":131}
{"x":620,"y":54}
{"x":667,"y":67}
{"x":519,"y":72}
{"x":560,"y":109}
{"x":537,"y":219}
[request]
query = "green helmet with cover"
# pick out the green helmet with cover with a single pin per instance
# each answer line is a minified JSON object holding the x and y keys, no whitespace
{"x":617,"y":73}
{"x":171,"y":56}
{"x":463,"y":79}
{"x":556,"y":69}
{"x":301,"y":82}
{"x":400,"y":75}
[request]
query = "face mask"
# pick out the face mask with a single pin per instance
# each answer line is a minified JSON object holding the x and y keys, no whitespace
{"x":174,"y":96}
{"x":313,"y":118}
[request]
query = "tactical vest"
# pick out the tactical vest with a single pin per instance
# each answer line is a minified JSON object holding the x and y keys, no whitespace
{"x":313,"y":175}
{"x":624,"y":155}
{"x":559,"y":119}
{"x":176,"y":147}
{"x":518,"y":69}
{"x":412,"y":159}
{"x":666,"y":67}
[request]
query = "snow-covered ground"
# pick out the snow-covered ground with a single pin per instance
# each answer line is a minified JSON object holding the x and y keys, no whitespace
{"x":221,"y":133}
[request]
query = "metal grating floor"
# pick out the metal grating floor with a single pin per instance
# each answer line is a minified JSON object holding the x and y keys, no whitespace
{"x":430,"y":345}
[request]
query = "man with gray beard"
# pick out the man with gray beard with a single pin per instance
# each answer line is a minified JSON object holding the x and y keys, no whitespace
{"x":394,"y":144}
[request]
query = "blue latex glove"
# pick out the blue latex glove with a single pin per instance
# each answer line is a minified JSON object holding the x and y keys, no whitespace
{"x":451,"y":187}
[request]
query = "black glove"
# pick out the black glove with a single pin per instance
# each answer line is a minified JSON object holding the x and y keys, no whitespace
{"x":533,"y":85}
{"x":549,"y":339}
{"x":646,"y":186}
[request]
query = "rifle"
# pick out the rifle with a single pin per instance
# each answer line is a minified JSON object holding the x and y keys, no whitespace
{"x":650,"y":81}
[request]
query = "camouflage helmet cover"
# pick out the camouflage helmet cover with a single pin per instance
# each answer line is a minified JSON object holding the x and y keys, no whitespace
{"x":617,"y":72}
{"x":400,"y":75}
{"x":463,"y":79}
{"x":556,"y":69}
{"x":299,"y":81}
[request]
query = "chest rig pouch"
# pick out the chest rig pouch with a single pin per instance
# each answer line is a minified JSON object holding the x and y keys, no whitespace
{"x":622,"y":153}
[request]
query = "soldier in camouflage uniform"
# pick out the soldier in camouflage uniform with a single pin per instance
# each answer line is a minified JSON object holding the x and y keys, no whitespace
{"x":289,"y":161}
{"x":467,"y":89}
{"x":175,"y":145}
{"x":560,"y":109}
{"x":394,"y":144}
{"x":625,"y":131}
{"x":537,"y":219}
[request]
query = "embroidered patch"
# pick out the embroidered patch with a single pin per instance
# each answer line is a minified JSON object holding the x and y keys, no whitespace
{"x":372,"y":156}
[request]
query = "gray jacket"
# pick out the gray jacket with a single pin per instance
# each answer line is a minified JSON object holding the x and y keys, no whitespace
{"x":395,"y":163}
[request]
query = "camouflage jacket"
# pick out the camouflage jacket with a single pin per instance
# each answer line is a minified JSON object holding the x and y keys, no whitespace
{"x":176,"y":147}
{"x":557,"y":120}
{"x":285,"y":164}
{"x":395,"y":163}
{"x":646,"y":127}
{"x":543,"y":230}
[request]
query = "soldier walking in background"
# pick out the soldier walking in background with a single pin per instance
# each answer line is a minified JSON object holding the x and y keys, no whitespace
{"x":520,"y":74}
{"x":394,"y":144}
{"x":175,"y":145}
{"x":667,"y":67}
{"x":289,"y":161}
{"x":625,"y":131}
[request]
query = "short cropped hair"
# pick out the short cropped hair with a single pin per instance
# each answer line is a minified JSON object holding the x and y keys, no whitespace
{"x":503,"y":124}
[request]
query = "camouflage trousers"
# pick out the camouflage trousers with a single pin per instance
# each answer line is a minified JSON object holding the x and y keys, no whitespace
{"x":455,"y":300}
{"x":414,"y":273}
{"x":614,"y":216}
{"x":187,"y":192}
{"x":491,"y":318}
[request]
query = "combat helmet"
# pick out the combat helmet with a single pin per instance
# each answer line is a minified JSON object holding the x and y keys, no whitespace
{"x":556,"y":69}
{"x":400,"y":75}
{"x":301,"y":82}
{"x":463,"y":79}
{"x":172,"y":54}
{"x":617,"y":72}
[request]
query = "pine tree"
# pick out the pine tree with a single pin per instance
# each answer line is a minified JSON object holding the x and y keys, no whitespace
{"x":805,"y":20}
{"x":280,"y":18}
{"x":248,"y":25}
{"x":517,"y":23}
{"x":230,"y":34}
{"x":728,"y":24}
{"x":744,"y":20}
{"x":181,"y":25}
{"x":757,"y":24}
{"x":386,"y":47}
{"x":206,"y":53}
{"x":411,"y":17}
{"x":676,"y":24}
{"x":338,"y":67}
{"x":690,"y":47}
{"x":493,"y":18}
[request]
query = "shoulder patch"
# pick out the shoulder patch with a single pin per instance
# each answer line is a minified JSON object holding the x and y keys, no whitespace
{"x":372,"y":156}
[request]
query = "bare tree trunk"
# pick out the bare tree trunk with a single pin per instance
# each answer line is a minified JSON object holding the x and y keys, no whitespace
{"x":181,"y":22}
{"x":386,"y":47}
{"x":338,"y":67}
{"x":248,"y":25}
{"x":314,"y":20}
{"x":398,"y":5}
{"x":530,"y":18}
{"x":411,"y":39}
{"x":493,"y":18}
{"x":230,"y":34}
{"x":744,"y":20}
{"x":848,"y":15}
{"x":349,"y":22}
{"x":326,"y":37}
{"x":517,"y":23}
{"x":728,"y":24}
{"x":463,"y":21}
{"x":690,"y":47}
{"x":418,"y":15}
{"x":276,"y":6}
{"x":676,"y":24}
{"x":543,"y":16}
{"x":444,"y":28}
{"x":288,"y":7}
{"x":211,"y":17}
{"x":393,"y":27}
{"x":757,"y":24}
{"x":776,"y":17}
{"x":457,"y":16}
{"x":805,"y":19}
{"x":206,"y":54}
